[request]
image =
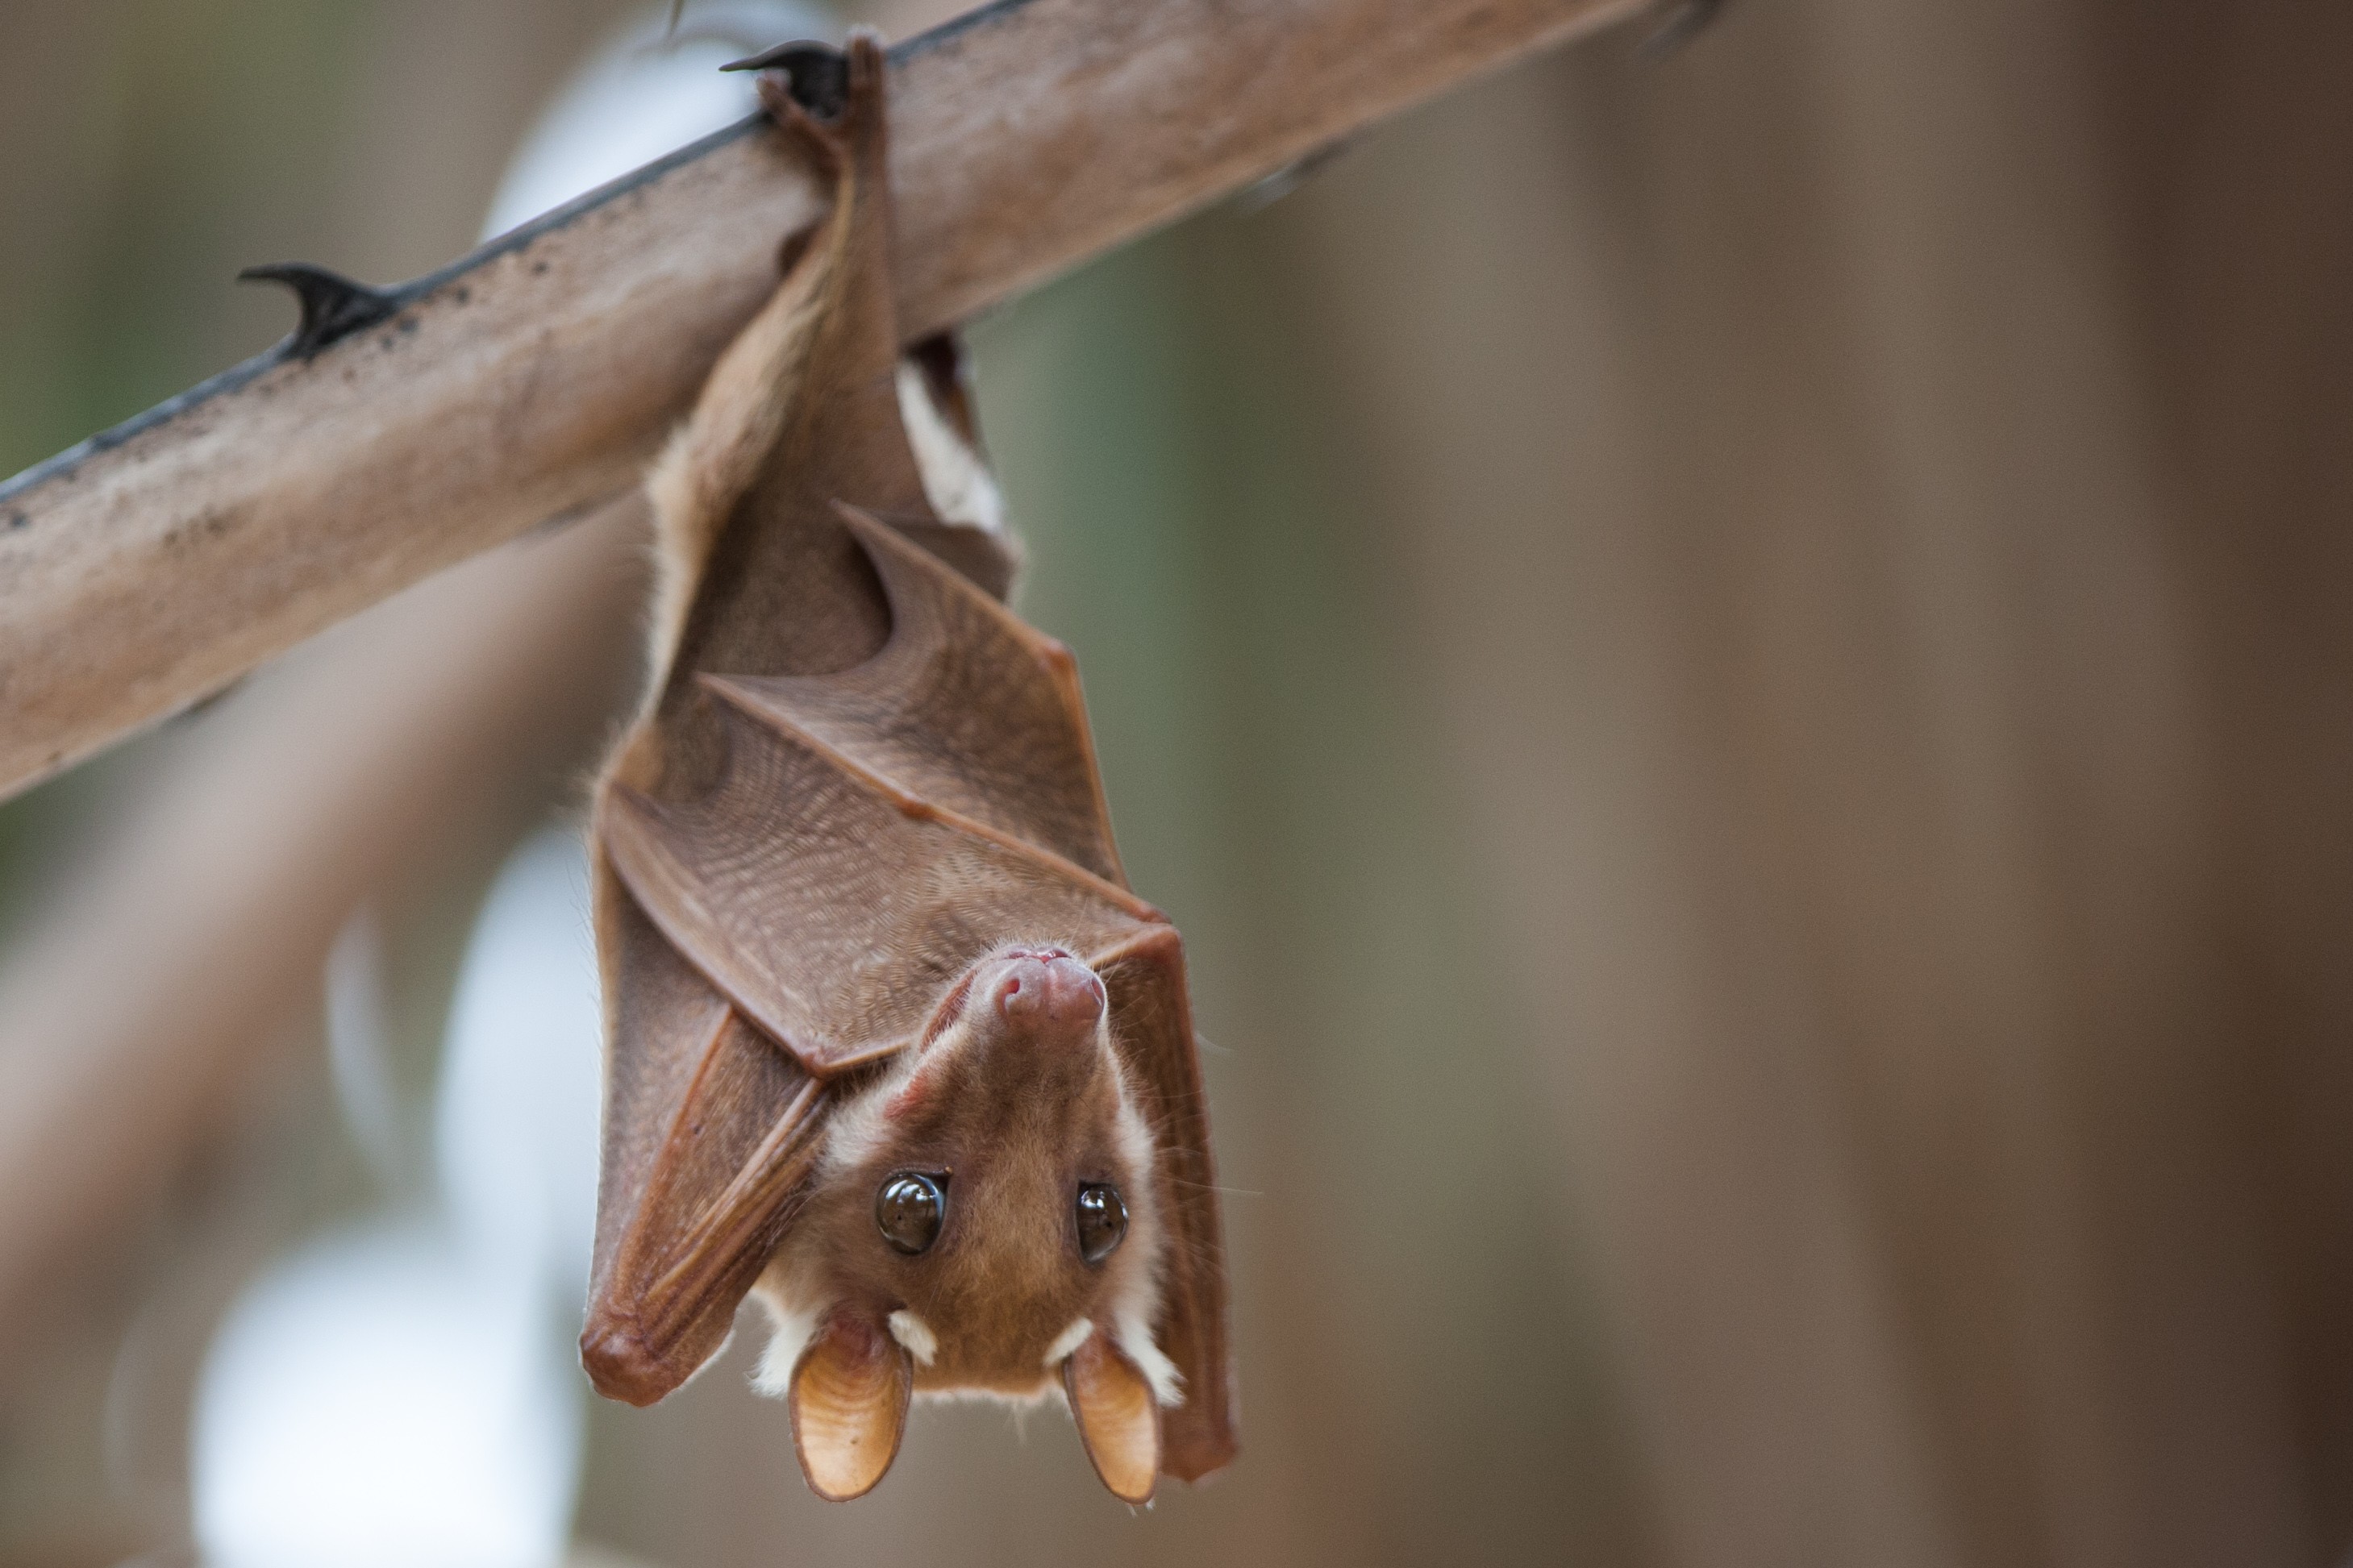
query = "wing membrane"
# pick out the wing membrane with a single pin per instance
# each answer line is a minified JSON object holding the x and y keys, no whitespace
{"x":1152,"y":1026}
{"x":708,"y":1131}
{"x":826,"y":911}
{"x":965,"y":708}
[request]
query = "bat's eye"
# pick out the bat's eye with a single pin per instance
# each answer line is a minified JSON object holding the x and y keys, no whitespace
{"x":909,"y":1209}
{"x":1103,"y":1221}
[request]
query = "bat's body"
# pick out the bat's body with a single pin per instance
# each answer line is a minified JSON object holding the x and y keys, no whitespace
{"x":890,"y":1038}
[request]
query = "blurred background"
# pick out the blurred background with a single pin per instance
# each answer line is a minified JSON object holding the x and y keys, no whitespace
{"x":1735,"y":661}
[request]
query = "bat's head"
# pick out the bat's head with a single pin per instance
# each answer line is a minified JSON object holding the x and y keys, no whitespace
{"x":982,"y":1220}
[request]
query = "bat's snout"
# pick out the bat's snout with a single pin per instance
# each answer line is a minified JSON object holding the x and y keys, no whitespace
{"x":1045,"y":989}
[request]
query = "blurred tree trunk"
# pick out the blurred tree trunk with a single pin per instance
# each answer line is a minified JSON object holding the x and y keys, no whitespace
{"x":2235,"y":136}
{"x":1878,"y":515}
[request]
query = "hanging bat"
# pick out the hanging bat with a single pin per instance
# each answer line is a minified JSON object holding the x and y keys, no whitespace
{"x":891,"y":1046}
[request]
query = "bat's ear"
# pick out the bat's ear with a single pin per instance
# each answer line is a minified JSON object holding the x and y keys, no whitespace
{"x":848,"y":1402}
{"x":1118,"y":1419}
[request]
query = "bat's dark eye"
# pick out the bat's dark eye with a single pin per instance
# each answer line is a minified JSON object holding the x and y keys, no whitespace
{"x":1103,"y":1221}
{"x":909,"y":1209}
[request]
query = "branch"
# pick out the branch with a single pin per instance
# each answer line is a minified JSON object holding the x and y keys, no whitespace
{"x":156,"y":564}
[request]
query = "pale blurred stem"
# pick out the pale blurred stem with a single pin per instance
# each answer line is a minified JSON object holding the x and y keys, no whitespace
{"x":150,"y":567}
{"x":169,"y":975}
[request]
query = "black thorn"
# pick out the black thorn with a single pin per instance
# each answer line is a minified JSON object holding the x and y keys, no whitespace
{"x":333,"y":307}
{"x":818,"y":74}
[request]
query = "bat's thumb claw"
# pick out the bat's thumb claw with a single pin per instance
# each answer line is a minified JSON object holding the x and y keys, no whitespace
{"x":622,"y":1365}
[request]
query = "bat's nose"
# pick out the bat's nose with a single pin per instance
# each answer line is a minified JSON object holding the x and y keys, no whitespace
{"x":1046,"y":989}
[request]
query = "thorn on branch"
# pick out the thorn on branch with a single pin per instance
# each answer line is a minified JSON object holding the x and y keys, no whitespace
{"x":818,"y":74}
{"x":333,"y":306}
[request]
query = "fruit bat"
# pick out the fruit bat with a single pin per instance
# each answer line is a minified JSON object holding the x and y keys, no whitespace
{"x":891,"y":1046}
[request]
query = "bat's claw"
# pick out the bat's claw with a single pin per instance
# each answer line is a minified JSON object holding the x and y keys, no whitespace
{"x":815,"y":76}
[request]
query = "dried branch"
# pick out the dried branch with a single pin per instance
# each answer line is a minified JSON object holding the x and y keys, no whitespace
{"x":156,"y":564}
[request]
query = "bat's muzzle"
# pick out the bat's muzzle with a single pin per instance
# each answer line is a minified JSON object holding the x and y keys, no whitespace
{"x":1045,"y":990}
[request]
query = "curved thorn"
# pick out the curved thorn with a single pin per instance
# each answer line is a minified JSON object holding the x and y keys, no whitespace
{"x":333,"y":306}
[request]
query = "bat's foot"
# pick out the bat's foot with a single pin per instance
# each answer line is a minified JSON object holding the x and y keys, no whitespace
{"x":815,"y":76}
{"x":832,"y":98}
{"x":817,"y":79}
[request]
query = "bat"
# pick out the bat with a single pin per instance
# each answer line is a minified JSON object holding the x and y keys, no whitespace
{"x":891,"y":1046}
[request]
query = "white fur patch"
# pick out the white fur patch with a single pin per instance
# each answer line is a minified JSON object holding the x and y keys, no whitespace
{"x":711,"y":460}
{"x":960,"y":486}
{"x":1068,"y":1340}
{"x":915,"y":1334}
{"x":1134,"y":1337}
{"x":1134,"y":1137}
{"x":794,"y":1329}
{"x":1020,"y":1404}
{"x":1136,"y":1298}
{"x":862,"y":1125}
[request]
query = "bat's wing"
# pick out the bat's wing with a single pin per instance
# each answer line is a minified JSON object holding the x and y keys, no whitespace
{"x":869,"y":835}
{"x":832,"y":912}
{"x":708,"y":1130}
{"x":1152,"y":1026}
{"x":966,"y":709}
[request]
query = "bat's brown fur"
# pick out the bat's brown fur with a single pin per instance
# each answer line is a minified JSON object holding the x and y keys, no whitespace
{"x":1021,"y":1118}
{"x":857,"y":785}
{"x":742,"y":494}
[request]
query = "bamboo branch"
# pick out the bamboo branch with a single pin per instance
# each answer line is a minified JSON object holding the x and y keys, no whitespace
{"x":156,"y":564}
